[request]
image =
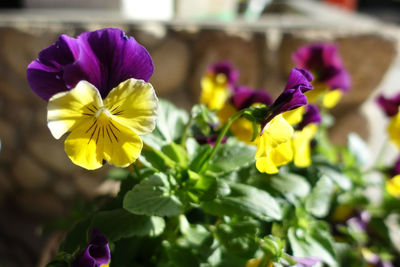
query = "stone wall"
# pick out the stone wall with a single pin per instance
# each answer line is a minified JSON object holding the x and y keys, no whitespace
{"x":37,"y":177}
{"x":34,"y":166}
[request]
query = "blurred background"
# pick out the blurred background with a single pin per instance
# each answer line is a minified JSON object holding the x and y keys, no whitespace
{"x":38,"y":183}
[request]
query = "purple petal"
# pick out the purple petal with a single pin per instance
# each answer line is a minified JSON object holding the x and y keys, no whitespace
{"x":311,"y":115}
{"x":104,"y":58}
{"x":389,"y":105}
{"x":109,"y":57}
{"x":288,"y":100}
{"x":244,"y":97}
{"x":306,"y":261}
{"x":211,"y":140}
{"x":338,"y":79}
{"x":324,"y":60}
{"x":45,"y":74}
{"x":225,"y":67}
{"x":96,"y":253}
{"x":396,"y":168}
{"x":299,"y":78}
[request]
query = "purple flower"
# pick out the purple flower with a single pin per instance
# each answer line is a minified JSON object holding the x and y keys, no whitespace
{"x":244,"y":97}
{"x":306,"y":261}
{"x":96,"y":253}
{"x":225,"y":67}
{"x":105,"y":58}
{"x":373,"y":259}
{"x":211,"y":139}
{"x":293,"y":96}
{"x":324,"y":61}
{"x":360,"y":220}
{"x":396,"y":168}
{"x":389,"y":105}
{"x":311,"y":115}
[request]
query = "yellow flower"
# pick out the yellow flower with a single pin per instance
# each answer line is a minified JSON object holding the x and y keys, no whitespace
{"x":106,"y":129}
{"x":322,"y":93}
{"x":294,"y":116}
{"x":214,"y":90}
{"x":393,"y":186}
{"x":274,"y":148}
{"x":394,"y":129}
{"x":241,"y":128}
{"x":301,"y":145}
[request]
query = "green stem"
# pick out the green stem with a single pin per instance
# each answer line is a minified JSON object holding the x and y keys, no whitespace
{"x":136,"y":169}
{"x":220,"y":137}
{"x":185,"y":131}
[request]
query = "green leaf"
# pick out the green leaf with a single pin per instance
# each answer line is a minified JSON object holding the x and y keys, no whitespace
{"x":117,"y":224}
{"x":231,"y":156}
{"x":289,"y":183}
{"x":316,"y":242}
{"x":238,"y":236}
{"x":245,"y":200}
{"x":203,"y":118}
{"x":118,"y":174}
{"x":358,"y":148}
{"x":153,"y":197}
{"x":318,"y":203}
{"x":171,"y":122}
{"x":200,"y":157}
{"x":205,"y":186}
{"x":77,"y":237}
{"x":156,"y":160}
{"x":342,"y":180}
{"x":177,"y":153}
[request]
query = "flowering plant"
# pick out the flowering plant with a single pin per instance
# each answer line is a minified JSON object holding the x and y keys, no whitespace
{"x":240,"y":180}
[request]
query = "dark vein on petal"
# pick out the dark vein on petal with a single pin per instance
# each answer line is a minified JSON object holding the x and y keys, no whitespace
{"x":114,"y":109}
{"x":90,"y":109}
{"x":92,"y":134}
{"x":95,"y":120}
{"x":119,"y":112}
{"x":87,"y":114}
{"x":102,"y":129}
{"x":116,"y":139}
{"x":98,"y":134}
{"x":95,"y":108}
{"x":109,"y":137}
{"x":114,"y":126}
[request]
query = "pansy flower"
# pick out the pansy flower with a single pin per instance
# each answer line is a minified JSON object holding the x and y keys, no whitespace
{"x":274,"y":148}
{"x":306,"y":261}
{"x":96,"y":254}
{"x":217,"y":84}
{"x":97,"y":90}
{"x":304,"y":133}
{"x":331,"y":77}
{"x":391,"y":107}
{"x":243,"y":97}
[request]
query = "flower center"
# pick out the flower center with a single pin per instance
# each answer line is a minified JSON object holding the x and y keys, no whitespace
{"x":103,"y":115}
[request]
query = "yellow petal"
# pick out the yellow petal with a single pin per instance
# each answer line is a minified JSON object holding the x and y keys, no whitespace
{"x":68,"y":109}
{"x":102,"y":139}
{"x":294,"y":116}
{"x":133,"y":103}
{"x":214,"y":92}
{"x":394,"y":129}
{"x":393,"y":186}
{"x":122,"y":147}
{"x":274,"y":146}
{"x":81,"y":146}
{"x":226,"y":112}
{"x":331,"y":98}
{"x":301,"y":145}
{"x":314,"y":96}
